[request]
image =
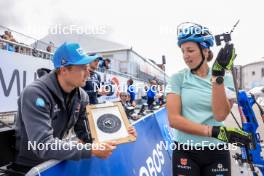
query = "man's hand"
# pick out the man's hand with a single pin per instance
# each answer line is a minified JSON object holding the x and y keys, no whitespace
{"x":132,"y":131}
{"x":102,"y":91}
{"x":103,"y":150}
{"x":133,"y":104}
{"x":231,"y":135}
{"x":224,"y":60}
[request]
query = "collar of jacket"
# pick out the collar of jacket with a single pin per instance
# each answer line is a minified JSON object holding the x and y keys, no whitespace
{"x":51,"y":82}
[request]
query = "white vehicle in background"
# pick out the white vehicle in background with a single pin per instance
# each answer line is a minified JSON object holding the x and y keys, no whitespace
{"x":258,"y":92}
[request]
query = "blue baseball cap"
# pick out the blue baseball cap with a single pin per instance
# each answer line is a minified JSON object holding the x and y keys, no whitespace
{"x":71,"y":54}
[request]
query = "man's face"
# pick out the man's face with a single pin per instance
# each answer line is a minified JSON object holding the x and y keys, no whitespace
{"x":76,"y":75}
{"x":123,"y":97}
{"x":129,"y":82}
{"x":107,"y":63}
{"x":49,"y":48}
{"x":94,"y":64}
{"x":153,"y":82}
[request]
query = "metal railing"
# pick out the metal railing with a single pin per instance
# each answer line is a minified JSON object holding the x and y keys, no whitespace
{"x":27,"y":40}
{"x":24,"y":49}
{"x":7,"y":118}
{"x":28,"y":50}
{"x":36,"y":48}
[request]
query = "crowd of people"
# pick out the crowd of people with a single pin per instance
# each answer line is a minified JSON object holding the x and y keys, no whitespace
{"x":8,"y":46}
{"x":8,"y":36}
{"x":9,"y":43}
{"x":95,"y":89}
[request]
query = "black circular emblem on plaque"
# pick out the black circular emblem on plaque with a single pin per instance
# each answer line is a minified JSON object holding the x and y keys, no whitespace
{"x":109,"y":123}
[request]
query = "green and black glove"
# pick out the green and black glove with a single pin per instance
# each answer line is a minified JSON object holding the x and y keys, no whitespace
{"x":231,"y":135}
{"x":224,"y":60}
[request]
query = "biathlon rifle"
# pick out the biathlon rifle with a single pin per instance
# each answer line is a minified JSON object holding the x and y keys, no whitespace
{"x":251,"y":153}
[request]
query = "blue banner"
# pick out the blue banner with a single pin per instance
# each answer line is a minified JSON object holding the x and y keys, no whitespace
{"x":165,"y":129}
{"x":145,"y":157}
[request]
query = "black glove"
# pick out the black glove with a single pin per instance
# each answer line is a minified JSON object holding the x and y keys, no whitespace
{"x":224,"y":60}
{"x":231,"y":135}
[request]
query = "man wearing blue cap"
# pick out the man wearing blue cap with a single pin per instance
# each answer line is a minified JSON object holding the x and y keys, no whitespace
{"x":51,"y":106}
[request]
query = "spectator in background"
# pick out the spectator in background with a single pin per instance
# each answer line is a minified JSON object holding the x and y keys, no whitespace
{"x":2,"y":44}
{"x":131,"y":90}
{"x":160,"y":95}
{"x":50,"y":47}
{"x":6,"y":36}
{"x":123,"y":98}
{"x":144,"y":94}
{"x":8,"y":46}
{"x":17,"y":49}
{"x":151,"y":94}
{"x":93,"y":85}
{"x":105,"y":64}
{"x":128,"y":100}
{"x":11,"y":38}
{"x":129,"y":109}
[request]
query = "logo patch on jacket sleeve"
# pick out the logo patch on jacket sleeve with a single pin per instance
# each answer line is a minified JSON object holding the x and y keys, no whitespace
{"x":40,"y":102}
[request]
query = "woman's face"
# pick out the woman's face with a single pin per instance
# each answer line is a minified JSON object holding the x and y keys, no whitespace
{"x":191,"y":54}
